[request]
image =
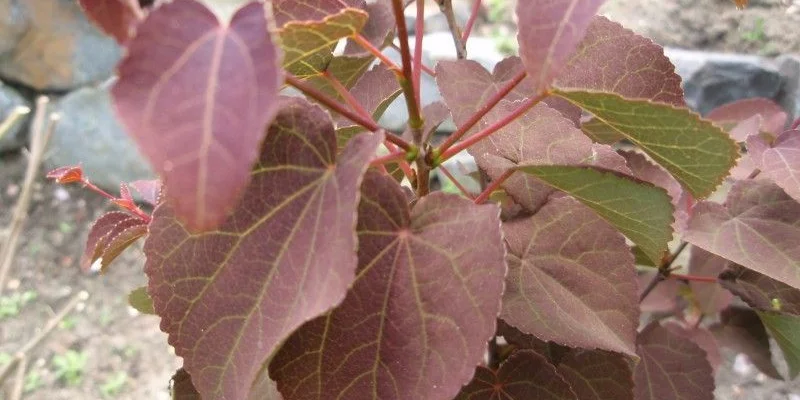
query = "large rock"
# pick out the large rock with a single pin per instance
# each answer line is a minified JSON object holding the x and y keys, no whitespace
{"x":89,"y":133}
{"x":15,"y":138}
{"x":789,"y":67}
{"x":713,"y":79}
{"x":50,"y":45}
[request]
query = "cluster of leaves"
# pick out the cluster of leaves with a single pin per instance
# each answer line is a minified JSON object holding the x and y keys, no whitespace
{"x":288,"y":256}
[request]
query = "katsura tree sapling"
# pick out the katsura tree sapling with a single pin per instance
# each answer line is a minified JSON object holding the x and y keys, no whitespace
{"x":296,"y":249}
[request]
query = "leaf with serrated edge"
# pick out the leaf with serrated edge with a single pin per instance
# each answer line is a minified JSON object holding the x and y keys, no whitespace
{"x":150,"y":190}
{"x":785,"y":329}
{"x":643,"y":169}
{"x":103,"y":231}
{"x":711,"y":299}
{"x":773,"y":117}
{"x":597,"y":375}
{"x":760,"y":291}
{"x":308,"y":46}
{"x":781,"y":162}
{"x":116,"y":242}
{"x":399,"y":334}
{"x":201,"y":136}
{"x":758,"y":228}
{"x":524,"y":375}
{"x":671,"y":367}
{"x":697,"y":153}
{"x":639,"y":210}
{"x":638,"y":70}
{"x":141,"y":301}
{"x":547,"y":251}
{"x":549,"y":32}
{"x":117,"y":18}
{"x":742,"y":330}
{"x":291,"y":241}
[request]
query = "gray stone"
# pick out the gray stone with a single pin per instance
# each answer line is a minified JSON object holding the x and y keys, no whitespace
{"x":50,"y":45}
{"x":789,"y":98}
{"x":439,"y":46}
{"x":9,"y":99}
{"x":713,"y":79}
{"x":90,"y":134}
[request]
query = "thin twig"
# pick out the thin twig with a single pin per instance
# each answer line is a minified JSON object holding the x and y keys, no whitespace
{"x":406,"y":80}
{"x":347,"y":96}
{"x":476,"y":8}
{"x":694,"y":278}
{"x":664,"y":270}
{"x":16,"y":114}
{"x":39,"y":133}
{"x":48,"y":327}
{"x":418,"y":48}
{"x":455,"y":181}
{"x":650,"y":286}
{"x":366,"y":45}
{"x":19,"y":380}
{"x":446,"y":6}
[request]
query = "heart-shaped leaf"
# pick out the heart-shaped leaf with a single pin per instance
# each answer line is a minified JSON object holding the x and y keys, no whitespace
{"x":781,"y":162}
{"x":597,"y":375}
{"x":415,"y":322}
{"x":760,"y":291}
{"x":291,"y":241}
{"x":117,"y":18}
{"x":201,"y":136}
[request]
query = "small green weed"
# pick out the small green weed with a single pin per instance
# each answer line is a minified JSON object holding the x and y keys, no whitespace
{"x":33,"y":381}
{"x":69,"y":367}
{"x":10,"y":306}
{"x":112,"y":386}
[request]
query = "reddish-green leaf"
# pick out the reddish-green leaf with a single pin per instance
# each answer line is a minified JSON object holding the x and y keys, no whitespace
{"x":781,"y":162}
{"x":112,"y":233}
{"x":549,"y":32}
{"x":310,"y":10}
{"x":308,"y":45}
{"x":638,"y":70}
{"x":773,"y":117}
{"x":117,"y":18}
{"x":597,"y":375}
{"x":758,"y":227}
{"x":200,"y":135}
{"x":416,"y":321}
{"x":697,"y":153}
{"x":227,"y":298}
{"x":711,"y":299}
{"x":785,"y":329}
{"x":571,"y":279}
{"x":671,"y":367}
{"x":639,"y":210}
{"x":645,"y":170}
{"x":742,"y":330}
{"x":525,"y":375}
{"x":375,"y":90}
{"x":761,"y":292}
{"x":701,"y":337}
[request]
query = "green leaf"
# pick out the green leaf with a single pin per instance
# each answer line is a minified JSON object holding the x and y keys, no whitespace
{"x":639,"y":210}
{"x":641,"y":257}
{"x":786,"y":331}
{"x":696,"y":152}
{"x":141,"y":301}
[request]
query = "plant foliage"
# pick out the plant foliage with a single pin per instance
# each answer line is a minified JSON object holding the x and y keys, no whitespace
{"x":297,"y":250}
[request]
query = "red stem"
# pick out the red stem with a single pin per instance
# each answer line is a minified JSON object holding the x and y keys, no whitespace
{"x":134,"y":210}
{"x":475,"y":118}
{"x":407,"y":79}
{"x":347,"y":96}
{"x":424,"y":67}
{"x":339,"y":108}
{"x":489,"y":130}
{"x":366,"y":45}
{"x":389,"y":158}
{"x":403,"y":164}
{"x":694,"y":278}
{"x":476,"y":7}
{"x":455,"y":181}
{"x":418,"y":48}
{"x":493,"y":186}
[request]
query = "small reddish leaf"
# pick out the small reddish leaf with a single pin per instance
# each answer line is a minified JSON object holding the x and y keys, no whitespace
{"x":761,"y":292}
{"x":416,"y":320}
{"x":116,"y":229}
{"x":547,"y":251}
{"x":741,"y":4}
{"x":149,"y":190}
{"x":525,"y":375}
{"x":773,"y":117}
{"x":597,"y":375}
{"x":549,"y":32}
{"x":711,"y":299}
{"x":701,"y":337}
{"x":758,"y":228}
{"x":781,"y":162}
{"x":201,"y":136}
{"x":64,"y":175}
{"x":742,"y":330}
{"x":117,"y":18}
{"x":290,"y":241}
{"x":638,"y":70}
{"x":125,"y":192}
{"x":671,"y":367}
